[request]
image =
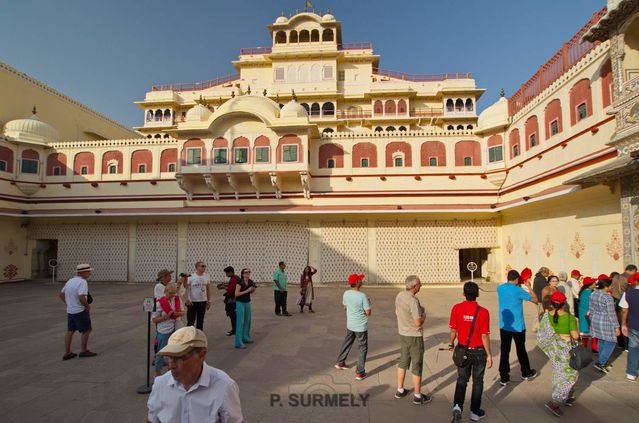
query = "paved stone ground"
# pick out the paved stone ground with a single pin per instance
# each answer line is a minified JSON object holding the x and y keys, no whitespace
{"x":290,"y":355}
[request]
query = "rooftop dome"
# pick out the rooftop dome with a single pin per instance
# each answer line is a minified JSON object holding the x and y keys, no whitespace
{"x":198,"y":113}
{"x":494,"y":116}
{"x":328,"y":18}
{"x":293,"y":109}
{"x":281,"y":20}
{"x":31,"y":129}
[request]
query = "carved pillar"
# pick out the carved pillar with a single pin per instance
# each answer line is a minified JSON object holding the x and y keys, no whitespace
{"x":630,"y":218}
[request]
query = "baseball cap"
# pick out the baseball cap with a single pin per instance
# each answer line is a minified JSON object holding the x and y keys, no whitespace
{"x":354,"y":278}
{"x":183,"y":340}
{"x":558,"y":297}
{"x":589,"y":281}
{"x":85,"y":267}
{"x":575,"y":272}
{"x":525,"y":275}
{"x":162,"y":273}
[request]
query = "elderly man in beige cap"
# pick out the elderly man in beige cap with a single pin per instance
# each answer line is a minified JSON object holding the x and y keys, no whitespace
{"x":192,"y":391}
{"x":75,"y":294}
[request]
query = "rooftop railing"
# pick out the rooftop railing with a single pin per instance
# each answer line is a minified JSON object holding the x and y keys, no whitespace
{"x":197,"y":86}
{"x":363,"y":45}
{"x":255,"y":50}
{"x":570,"y":53}
{"x":420,"y":77}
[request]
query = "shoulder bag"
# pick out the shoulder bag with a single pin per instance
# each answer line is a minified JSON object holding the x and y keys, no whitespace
{"x":580,"y":357}
{"x":460,"y":354}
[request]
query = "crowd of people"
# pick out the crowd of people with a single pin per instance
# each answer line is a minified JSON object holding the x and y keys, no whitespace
{"x":594,"y":314}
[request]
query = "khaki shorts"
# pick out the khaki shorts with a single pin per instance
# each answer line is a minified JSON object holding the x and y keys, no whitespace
{"x":412,"y":351}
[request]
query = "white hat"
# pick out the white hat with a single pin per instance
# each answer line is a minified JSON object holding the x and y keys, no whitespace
{"x":85,"y":267}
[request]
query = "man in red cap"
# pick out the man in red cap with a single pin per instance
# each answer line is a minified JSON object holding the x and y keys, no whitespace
{"x":358,"y":309}
{"x":575,"y":286}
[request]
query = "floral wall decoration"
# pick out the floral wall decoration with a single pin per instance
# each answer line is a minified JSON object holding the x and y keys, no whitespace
{"x":10,"y":271}
{"x":11,"y":247}
{"x":577,"y":246}
{"x":526,"y":246}
{"x":548,"y":247}
{"x":509,"y":246}
{"x":614,"y":247}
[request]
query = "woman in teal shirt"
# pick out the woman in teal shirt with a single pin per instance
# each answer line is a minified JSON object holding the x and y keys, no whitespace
{"x":584,"y":319}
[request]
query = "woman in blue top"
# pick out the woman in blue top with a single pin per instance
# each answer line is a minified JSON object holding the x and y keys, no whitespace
{"x":584,"y":318}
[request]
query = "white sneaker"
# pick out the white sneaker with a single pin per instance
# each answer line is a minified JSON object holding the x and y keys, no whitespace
{"x":631,"y":377}
{"x":457,"y":414}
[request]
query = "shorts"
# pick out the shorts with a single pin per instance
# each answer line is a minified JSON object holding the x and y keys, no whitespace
{"x":79,"y":321}
{"x":412,"y":351}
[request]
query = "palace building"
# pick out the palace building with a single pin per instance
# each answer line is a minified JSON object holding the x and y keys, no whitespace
{"x":313,"y":153}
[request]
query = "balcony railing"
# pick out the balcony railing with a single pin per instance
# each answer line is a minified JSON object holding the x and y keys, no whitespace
{"x":363,"y":45}
{"x":420,"y":77}
{"x":197,"y":86}
{"x":255,"y":50}
{"x":354,"y":115}
{"x":571,"y":53}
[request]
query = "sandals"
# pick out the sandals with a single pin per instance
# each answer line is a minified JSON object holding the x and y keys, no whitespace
{"x":69,"y":356}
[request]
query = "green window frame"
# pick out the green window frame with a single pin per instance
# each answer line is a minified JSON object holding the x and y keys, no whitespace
{"x":289,"y":153}
{"x":240,"y":155}
{"x":495,"y":154}
{"x":432,"y":161}
{"x":219,"y":156}
{"x":171,"y":167}
{"x":468,"y":161}
{"x":364,"y":162}
{"x":262,"y":154}
{"x":29,"y":166}
{"x":582,"y":111}
{"x":554,"y":127}
{"x":193,"y":156}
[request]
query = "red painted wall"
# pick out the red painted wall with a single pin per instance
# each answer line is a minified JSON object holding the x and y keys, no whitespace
{"x":57,"y":160}
{"x":494,"y":140}
{"x":6,"y":154}
{"x":514,"y":139}
{"x":331,"y":151}
{"x":290,"y":139}
{"x":84,"y":158}
{"x":552,"y":112}
{"x":531,"y":127}
{"x":112,"y":155}
{"x":364,"y":150}
{"x":580,"y":93}
{"x":30,"y":154}
{"x":241,"y":142}
{"x":396,"y":146}
{"x":433,"y":149}
{"x":167,"y":157}
{"x":144,"y":157}
{"x":193,"y":143}
{"x":263,"y":141}
{"x":389,"y":107}
{"x":606,"y":83}
{"x":467,"y":149}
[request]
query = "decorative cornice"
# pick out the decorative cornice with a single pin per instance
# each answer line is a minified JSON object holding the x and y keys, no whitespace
{"x":612,"y":21}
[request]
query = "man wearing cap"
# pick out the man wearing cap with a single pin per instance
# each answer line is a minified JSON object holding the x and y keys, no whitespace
{"x":75,"y":295}
{"x":512,"y":325}
{"x":410,"y":319}
{"x":575,"y":285}
{"x":358,"y":309}
{"x":280,"y":291}
{"x":164,"y":277}
{"x":192,"y":391}
{"x":629,"y":304}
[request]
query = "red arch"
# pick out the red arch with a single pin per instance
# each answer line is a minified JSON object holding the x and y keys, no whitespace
{"x":140,"y":157}
{"x":82,"y":159}
{"x":363,"y":150}
{"x":109,"y":156}
{"x":30,"y":154}
{"x":378,"y":107}
{"x":290,"y":139}
{"x":331,"y":151}
{"x":167,"y":157}
{"x":402,"y":147}
{"x":57,"y":160}
{"x":242,"y":142}
{"x":514,"y":140}
{"x":389,"y":107}
{"x":551,"y":113}
{"x":580,"y":93}
{"x":193,"y":143}
{"x":435,"y":149}
{"x":467,"y":149}
{"x":532,"y":127}
{"x":494,"y":140}
{"x":401,"y":107}
{"x":6,"y":155}
{"x":606,"y":83}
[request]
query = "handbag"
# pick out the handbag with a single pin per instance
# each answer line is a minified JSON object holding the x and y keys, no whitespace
{"x":580,"y":357}
{"x":460,"y":354}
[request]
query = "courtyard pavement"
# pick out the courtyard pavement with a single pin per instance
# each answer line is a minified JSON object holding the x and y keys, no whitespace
{"x":291,"y":355}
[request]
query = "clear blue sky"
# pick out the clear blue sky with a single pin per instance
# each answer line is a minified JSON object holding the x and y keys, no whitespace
{"x":108,"y":53}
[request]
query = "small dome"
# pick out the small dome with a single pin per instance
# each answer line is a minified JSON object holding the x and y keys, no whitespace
{"x":328,"y":18}
{"x":198,"y":113}
{"x":32,"y":128}
{"x":281,"y":20}
{"x":293,"y":109}
{"x":494,"y":116}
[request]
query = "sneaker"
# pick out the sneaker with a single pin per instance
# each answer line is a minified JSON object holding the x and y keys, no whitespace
{"x":422,"y":399}
{"x":609,"y":365}
{"x":230,"y":333}
{"x":88,"y":353}
{"x":401,"y":394}
{"x":475,"y":417}
{"x":601,"y":368}
{"x":69,"y":356}
{"x":456,"y":415}
{"x":504,"y":382}
{"x":570,"y":401}
{"x":530,"y":376}
{"x":340,"y":366}
{"x":360,"y":376}
{"x":631,"y":378}
{"x":554,"y":409}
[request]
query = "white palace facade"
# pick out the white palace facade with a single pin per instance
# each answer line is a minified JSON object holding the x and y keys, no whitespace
{"x":313,"y":153}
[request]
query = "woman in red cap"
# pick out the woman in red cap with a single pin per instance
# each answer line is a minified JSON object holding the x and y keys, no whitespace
{"x":584,"y":315}
{"x":557,"y":329}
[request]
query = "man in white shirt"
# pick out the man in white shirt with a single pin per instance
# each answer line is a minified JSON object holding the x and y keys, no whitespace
{"x":198,"y":296}
{"x":192,"y":391}
{"x":75,"y":295}
{"x":164,"y":277}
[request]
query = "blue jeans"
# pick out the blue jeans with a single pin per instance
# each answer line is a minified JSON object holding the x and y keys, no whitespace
{"x":605,"y":350}
{"x":163,"y":339}
{"x":633,"y":352}
{"x":242,"y":323}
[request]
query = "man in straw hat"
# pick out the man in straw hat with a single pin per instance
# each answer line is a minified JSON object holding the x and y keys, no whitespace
{"x":75,"y":295}
{"x":164,"y":277}
{"x":192,"y":391}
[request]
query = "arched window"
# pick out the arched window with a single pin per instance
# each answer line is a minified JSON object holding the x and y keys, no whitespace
{"x":149,"y":136}
{"x":401,"y":107}
{"x":302,"y":73}
{"x":280,"y":37}
{"x":389,"y":107}
{"x":450,"y":127}
{"x":292,"y":37}
{"x":580,"y":101}
{"x":315,"y":36}
{"x":468,"y":161}
{"x":158,"y":136}
{"x":304,"y":36}
{"x":167,"y":115}
{"x":460,"y":127}
{"x":305,"y":105}
{"x":328,"y":131}
{"x":402,"y":129}
{"x":378,"y":107}
{"x":158,"y":115}
{"x":364,"y":155}
{"x":390,"y":128}
{"x":459,"y":105}
{"x":513,"y":141}
{"x":315,"y":109}
{"x":167,"y":136}
{"x":469,"y":127}
{"x":328,"y":35}
{"x":450,"y":106}
{"x":552,"y":118}
{"x":469,"y":105}
{"x":378,"y":129}
{"x":398,"y":160}
{"x":149,"y":115}
{"x":328,"y":109}
{"x":467,"y":153}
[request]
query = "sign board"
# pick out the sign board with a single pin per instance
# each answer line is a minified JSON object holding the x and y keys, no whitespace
{"x":148,"y":304}
{"x":471,"y":266}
